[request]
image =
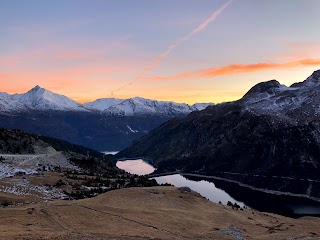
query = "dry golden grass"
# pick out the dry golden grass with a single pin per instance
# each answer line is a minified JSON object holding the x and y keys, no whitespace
{"x":136,"y":213}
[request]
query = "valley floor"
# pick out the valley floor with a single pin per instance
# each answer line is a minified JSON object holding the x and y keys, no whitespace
{"x":148,"y":213}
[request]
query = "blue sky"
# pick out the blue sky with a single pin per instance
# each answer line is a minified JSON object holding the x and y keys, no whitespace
{"x":89,"y":49}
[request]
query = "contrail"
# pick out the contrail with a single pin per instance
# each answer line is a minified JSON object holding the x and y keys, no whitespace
{"x":171,"y":47}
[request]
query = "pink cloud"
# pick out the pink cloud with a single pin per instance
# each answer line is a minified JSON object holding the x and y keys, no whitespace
{"x":238,"y":69}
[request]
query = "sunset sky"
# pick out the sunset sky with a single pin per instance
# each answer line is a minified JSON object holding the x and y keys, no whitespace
{"x":179,"y":50}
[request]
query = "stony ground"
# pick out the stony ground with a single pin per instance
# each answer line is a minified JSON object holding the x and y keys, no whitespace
{"x":30,"y":177}
{"x":30,"y":163}
{"x":148,"y":213}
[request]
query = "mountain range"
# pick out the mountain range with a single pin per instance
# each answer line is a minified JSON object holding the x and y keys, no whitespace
{"x":106,"y":124}
{"x":270,"y":138}
{"x":40,"y":99}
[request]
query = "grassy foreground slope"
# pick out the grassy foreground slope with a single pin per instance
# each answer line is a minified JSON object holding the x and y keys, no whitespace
{"x":141,"y":213}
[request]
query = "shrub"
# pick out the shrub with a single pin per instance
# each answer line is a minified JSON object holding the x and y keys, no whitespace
{"x":5,"y":204}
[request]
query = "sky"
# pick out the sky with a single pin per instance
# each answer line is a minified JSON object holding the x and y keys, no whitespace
{"x":176,"y":50}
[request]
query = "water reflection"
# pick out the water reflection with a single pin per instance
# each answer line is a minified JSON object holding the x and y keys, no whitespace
{"x":306,"y":210}
{"x":205,"y":188}
{"x":138,"y":167}
{"x":219,"y":190}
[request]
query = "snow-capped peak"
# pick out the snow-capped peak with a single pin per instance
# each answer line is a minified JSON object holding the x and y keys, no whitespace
{"x":39,"y":99}
{"x":299,"y":101}
{"x":36,"y":88}
{"x":264,"y":89}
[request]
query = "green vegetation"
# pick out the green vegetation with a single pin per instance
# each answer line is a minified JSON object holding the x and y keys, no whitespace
{"x":17,"y":142}
{"x":93,"y":180}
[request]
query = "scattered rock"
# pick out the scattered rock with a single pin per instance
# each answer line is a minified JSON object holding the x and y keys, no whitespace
{"x":30,"y":210}
{"x":153,"y":191}
{"x":184,"y":189}
{"x":232,"y":231}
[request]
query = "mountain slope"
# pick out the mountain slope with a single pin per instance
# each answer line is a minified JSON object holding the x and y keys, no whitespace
{"x":263,"y":134}
{"x":201,"y":106}
{"x":138,"y":213}
{"x":93,"y":130}
{"x":15,"y":141}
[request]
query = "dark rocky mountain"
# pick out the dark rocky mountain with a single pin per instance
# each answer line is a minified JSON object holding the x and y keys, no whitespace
{"x":93,"y":130}
{"x":271,"y":135}
{"x":15,"y":141}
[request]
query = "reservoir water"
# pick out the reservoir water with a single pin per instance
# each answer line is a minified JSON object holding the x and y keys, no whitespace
{"x":205,"y":188}
{"x":138,"y":167}
{"x":222,"y":191}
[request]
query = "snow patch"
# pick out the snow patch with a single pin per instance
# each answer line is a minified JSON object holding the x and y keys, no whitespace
{"x":134,"y":131}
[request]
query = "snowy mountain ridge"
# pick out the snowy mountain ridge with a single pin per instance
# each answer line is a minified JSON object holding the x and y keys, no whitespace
{"x":141,"y":106}
{"x":102,"y":104}
{"x":299,"y":102}
{"x":40,"y":99}
{"x":37,"y":99}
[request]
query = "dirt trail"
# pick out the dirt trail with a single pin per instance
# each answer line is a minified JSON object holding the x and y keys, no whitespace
{"x":32,"y":160}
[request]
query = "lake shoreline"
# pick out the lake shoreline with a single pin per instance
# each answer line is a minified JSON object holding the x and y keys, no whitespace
{"x":236,"y":182}
{"x":221,"y":189}
{"x":252,"y":187}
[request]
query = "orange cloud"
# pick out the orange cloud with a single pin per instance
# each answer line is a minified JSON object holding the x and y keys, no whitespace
{"x":238,"y":69}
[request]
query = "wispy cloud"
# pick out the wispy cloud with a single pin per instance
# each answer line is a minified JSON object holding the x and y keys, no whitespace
{"x":63,"y":51}
{"x":174,"y":45}
{"x":302,"y":47}
{"x":299,"y":50}
{"x":238,"y":69}
{"x":62,"y":80}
